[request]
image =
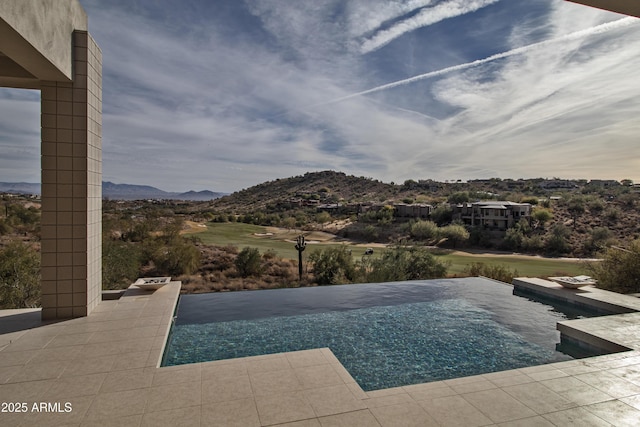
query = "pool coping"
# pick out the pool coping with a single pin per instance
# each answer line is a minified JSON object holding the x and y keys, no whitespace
{"x":106,"y":367}
{"x":610,"y":333}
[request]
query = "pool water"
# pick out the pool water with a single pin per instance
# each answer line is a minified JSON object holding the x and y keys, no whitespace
{"x":385,"y":335}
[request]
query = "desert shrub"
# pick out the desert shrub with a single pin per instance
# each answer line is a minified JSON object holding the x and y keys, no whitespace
{"x":172,"y":257}
{"x":288,"y":222}
{"x":529,"y":199}
{"x":5,"y":228}
{"x":19,"y":276}
{"x":219,"y":218}
{"x":459,"y":197}
{"x":138,"y":231}
{"x":478,"y":236}
{"x":612,"y":214}
{"x":183,"y":257}
{"x":22,"y":218}
{"x":541,"y":216}
{"x":524,"y":225}
{"x":546,"y":203}
{"x":455,"y":233}
{"x":402,"y":262}
{"x":230,"y":249}
{"x":370,"y":233}
{"x":121,"y":263}
{"x":474,"y":269}
{"x":512,"y":239}
{"x":596,"y":205}
{"x":410,"y":184}
{"x":576,"y":207}
{"x":629,"y":200}
{"x":269,"y":254}
{"x":332,"y":266}
{"x":323,"y":217}
{"x":599,"y":237}
{"x":280,"y":270}
{"x":219,"y":258}
{"x":248,"y":262}
{"x":424,"y":230}
{"x":534,"y":243}
{"x":193,"y":284}
{"x":619,"y":270}
{"x":493,"y":271}
{"x":558,"y":243}
{"x":383,"y":215}
{"x":442,"y":214}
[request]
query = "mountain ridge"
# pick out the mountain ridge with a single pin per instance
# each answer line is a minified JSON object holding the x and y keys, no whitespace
{"x":324,"y":187}
{"x":111,"y":190}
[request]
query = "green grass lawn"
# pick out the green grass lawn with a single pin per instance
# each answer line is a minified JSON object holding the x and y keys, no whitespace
{"x":242,"y":235}
{"x":531,"y":267}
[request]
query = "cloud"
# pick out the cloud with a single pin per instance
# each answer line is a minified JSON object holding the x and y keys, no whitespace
{"x":602,"y":28}
{"x":561,"y":109}
{"x":198,"y":103}
{"x":366,"y":16}
{"x":20,"y":135}
{"x":216,"y":95}
{"x":424,"y":18}
{"x":584,"y":88}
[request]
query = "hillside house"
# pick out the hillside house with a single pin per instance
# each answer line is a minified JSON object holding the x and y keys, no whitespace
{"x":604,"y":183}
{"x":417,"y":210}
{"x":558,"y":184}
{"x":493,"y":215}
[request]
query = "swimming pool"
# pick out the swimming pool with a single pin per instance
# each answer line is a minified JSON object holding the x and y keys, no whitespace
{"x":385,"y":335}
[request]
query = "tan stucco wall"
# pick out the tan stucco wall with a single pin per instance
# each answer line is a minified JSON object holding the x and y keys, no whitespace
{"x":44,"y":44}
{"x":37,"y":35}
{"x":71,"y":243}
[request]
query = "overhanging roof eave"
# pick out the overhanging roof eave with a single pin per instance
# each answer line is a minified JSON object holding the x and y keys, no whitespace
{"x":625,"y":7}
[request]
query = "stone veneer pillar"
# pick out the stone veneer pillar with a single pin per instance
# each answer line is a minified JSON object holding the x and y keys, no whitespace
{"x":72,"y":186}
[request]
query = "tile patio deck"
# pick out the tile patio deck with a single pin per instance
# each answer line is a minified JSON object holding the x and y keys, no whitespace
{"x":106,"y":367}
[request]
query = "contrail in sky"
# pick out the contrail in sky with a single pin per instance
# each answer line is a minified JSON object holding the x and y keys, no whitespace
{"x":598,"y":29}
{"x":389,"y":12}
{"x":424,"y":18}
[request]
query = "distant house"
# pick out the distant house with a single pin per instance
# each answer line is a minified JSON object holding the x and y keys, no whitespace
{"x":494,"y":215}
{"x":604,"y":183}
{"x":553,"y":184}
{"x":330,"y":207}
{"x":418,"y":210}
{"x":341,"y":208}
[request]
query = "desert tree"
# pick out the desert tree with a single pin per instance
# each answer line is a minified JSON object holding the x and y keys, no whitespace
{"x":455,"y":233}
{"x":248,"y":262}
{"x":576,"y":207}
{"x":332,"y":266}
{"x":401,"y":262}
{"x":541,"y":216}
{"x":19,"y":276}
{"x":619,"y":270}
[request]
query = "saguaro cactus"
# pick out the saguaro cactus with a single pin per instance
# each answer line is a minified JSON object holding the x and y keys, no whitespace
{"x":300,"y":246}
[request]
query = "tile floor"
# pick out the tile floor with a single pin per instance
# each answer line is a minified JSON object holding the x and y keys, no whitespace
{"x":105,"y":368}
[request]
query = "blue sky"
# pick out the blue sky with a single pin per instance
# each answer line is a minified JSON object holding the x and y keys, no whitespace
{"x":225,"y":94}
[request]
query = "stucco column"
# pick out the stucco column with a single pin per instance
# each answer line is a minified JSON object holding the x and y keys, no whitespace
{"x":72,"y":186}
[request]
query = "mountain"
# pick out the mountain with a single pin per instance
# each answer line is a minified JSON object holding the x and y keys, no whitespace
{"x":137,"y":192}
{"x":131,"y":192}
{"x":120,"y":192}
{"x":19,"y":187}
{"x":204,"y":195}
{"x":322,"y":187}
